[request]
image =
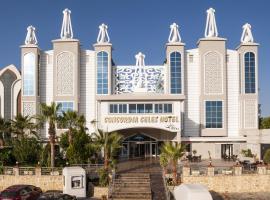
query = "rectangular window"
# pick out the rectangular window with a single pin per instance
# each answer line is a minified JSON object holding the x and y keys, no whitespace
{"x":190,"y":58}
{"x":213,"y":114}
{"x":148,"y":108}
{"x":132,"y":108}
{"x":65,"y":106}
{"x":122,"y":108}
{"x":140,"y":108}
{"x":167,"y":108}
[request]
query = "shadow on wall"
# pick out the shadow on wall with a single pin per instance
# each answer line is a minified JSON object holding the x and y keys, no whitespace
{"x":191,"y":128}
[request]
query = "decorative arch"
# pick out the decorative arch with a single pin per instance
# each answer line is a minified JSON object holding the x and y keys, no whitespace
{"x":7,"y":78}
{"x":16,"y":97}
{"x":13,"y":69}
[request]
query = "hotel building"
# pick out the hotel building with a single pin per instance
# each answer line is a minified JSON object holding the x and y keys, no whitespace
{"x":206,"y":97}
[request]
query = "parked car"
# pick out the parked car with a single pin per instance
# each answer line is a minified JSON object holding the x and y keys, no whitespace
{"x":21,"y":192}
{"x":55,"y":194}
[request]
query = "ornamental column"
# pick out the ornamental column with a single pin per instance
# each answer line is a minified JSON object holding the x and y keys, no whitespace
{"x":30,"y":64}
{"x":103,"y":55}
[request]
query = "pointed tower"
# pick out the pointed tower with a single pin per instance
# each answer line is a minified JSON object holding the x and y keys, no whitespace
{"x":66,"y":66}
{"x":248,"y":63}
{"x":103,"y":49}
{"x":175,"y":50}
{"x":30,"y":63}
{"x":213,"y":78}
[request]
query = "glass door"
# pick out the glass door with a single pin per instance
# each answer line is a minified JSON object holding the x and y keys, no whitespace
{"x":154,"y":149}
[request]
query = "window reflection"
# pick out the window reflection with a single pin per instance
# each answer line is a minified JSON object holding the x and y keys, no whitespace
{"x":29,"y":74}
{"x":175,"y":62}
{"x":250,"y":73}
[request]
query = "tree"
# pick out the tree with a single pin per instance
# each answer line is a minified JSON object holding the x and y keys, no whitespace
{"x":5,"y":131}
{"x":23,"y":125}
{"x":80,"y":149}
{"x":49,"y":113}
{"x":109,"y":143}
{"x":265,"y":123}
{"x":173,"y":152}
{"x":73,"y":122}
{"x":266,"y":157}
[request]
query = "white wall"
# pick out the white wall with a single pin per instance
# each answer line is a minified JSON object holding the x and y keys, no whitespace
{"x":233,"y":93}
{"x":46,"y":82}
{"x":192,"y":91}
{"x":104,"y":114}
{"x":87,"y":105}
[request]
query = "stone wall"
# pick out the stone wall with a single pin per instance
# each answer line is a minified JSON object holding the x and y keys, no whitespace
{"x":45,"y":182}
{"x":236,"y":182}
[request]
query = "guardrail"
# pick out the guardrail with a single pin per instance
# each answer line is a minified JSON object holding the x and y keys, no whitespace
{"x":27,"y":171}
{"x":55,"y":171}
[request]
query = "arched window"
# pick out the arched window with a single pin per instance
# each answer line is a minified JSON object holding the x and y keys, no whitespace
{"x":102,"y":72}
{"x":29,"y":74}
{"x":175,"y":62}
{"x":250,"y":82}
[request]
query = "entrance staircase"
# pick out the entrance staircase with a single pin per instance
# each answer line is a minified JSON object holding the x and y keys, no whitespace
{"x":132,"y":186}
{"x":139,"y":179}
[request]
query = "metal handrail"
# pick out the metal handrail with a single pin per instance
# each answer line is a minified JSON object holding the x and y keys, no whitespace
{"x":167,"y":191}
{"x":111,"y":186}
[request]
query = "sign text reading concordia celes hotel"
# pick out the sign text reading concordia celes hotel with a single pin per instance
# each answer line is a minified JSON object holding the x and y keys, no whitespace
{"x":142,"y":119}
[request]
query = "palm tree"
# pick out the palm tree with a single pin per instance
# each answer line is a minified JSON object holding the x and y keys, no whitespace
{"x":4,"y":130}
{"x":23,"y":125}
{"x":110,"y":143}
{"x":72,"y":121}
{"x":173,"y":152}
{"x":50,"y":114}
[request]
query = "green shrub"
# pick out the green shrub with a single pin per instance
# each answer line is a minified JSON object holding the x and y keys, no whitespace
{"x":26,"y":150}
{"x":247,"y":153}
{"x":163,"y":161}
{"x":103,"y":177}
{"x":266,"y":157}
{"x":7,"y":157}
{"x":45,"y":156}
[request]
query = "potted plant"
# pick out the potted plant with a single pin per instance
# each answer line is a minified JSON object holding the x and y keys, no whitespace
{"x":194,"y":152}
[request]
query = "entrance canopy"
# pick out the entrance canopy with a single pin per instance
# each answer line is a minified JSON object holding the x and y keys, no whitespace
{"x":147,"y":134}
{"x":139,"y":138}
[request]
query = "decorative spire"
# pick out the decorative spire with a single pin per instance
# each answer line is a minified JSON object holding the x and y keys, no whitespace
{"x":103,"y":36}
{"x":247,"y":34}
{"x":211,"y":26}
{"x":66,"y":31}
{"x":31,"y":36}
{"x":174,"y":34}
{"x":140,"y":59}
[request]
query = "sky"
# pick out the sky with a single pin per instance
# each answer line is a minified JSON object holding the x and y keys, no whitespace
{"x":136,"y":25}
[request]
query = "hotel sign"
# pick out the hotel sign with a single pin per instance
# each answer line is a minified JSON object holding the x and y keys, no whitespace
{"x":141,"y":119}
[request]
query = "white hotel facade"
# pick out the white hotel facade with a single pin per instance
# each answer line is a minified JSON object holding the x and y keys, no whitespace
{"x":206,"y":97}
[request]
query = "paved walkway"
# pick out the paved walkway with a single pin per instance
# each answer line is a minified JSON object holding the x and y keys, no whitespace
{"x":150,"y":166}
